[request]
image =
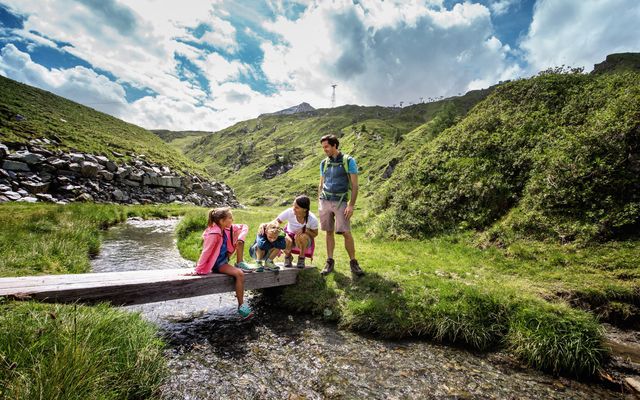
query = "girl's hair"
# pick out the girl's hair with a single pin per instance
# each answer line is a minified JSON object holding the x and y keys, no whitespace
{"x":303,"y":202}
{"x":218,"y":214}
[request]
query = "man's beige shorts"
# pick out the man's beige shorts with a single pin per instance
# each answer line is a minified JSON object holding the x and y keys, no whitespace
{"x":332,"y":217}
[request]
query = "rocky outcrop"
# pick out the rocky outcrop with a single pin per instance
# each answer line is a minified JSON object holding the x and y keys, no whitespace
{"x":32,"y":173}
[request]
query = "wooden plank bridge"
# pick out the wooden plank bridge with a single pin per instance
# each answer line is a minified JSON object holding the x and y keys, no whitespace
{"x":135,"y":287}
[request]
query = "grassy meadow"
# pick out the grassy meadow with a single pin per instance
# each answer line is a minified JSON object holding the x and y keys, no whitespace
{"x":448,"y":289}
{"x":445,"y":288}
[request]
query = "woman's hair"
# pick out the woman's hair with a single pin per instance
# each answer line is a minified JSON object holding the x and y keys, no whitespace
{"x":304,"y":202}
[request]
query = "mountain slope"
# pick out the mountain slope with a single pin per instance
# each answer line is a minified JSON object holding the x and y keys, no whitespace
{"x":28,"y":113}
{"x":272,"y":158}
{"x":555,"y":156}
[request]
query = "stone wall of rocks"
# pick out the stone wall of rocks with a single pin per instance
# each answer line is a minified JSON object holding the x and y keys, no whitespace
{"x":32,"y":173}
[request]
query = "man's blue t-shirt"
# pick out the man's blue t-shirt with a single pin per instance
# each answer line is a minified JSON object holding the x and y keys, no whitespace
{"x":223,"y":257}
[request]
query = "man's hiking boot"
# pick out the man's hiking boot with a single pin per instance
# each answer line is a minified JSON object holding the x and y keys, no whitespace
{"x":355,"y":268}
{"x":288,"y":261}
{"x":300,"y":263}
{"x":328,"y":267}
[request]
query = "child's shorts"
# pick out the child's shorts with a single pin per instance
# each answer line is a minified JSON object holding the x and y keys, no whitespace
{"x":263,"y":244}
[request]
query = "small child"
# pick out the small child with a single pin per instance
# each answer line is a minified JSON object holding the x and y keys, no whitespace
{"x":221,"y":238}
{"x":270,"y":240}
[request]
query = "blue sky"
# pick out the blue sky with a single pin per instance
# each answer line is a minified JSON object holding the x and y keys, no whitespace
{"x":205,"y":65}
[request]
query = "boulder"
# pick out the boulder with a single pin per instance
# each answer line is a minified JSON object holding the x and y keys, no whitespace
{"x":89,"y":169}
{"x":11,"y":165}
{"x":84,"y":197}
{"x":35,"y":187}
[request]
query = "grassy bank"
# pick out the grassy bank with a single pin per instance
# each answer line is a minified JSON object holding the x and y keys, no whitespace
{"x":447,"y":289}
{"x":74,"y":352}
{"x":54,"y":239}
{"x":67,"y":352}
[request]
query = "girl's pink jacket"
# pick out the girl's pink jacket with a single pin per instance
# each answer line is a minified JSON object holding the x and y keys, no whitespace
{"x":213,"y":242}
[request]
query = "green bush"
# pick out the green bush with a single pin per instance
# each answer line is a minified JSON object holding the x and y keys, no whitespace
{"x":559,"y":151}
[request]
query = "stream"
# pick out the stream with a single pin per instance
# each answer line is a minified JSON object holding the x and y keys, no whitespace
{"x":284,"y":355}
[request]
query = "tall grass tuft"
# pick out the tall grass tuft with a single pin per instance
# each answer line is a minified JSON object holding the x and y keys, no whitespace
{"x":556,"y":338}
{"x":77,"y":352}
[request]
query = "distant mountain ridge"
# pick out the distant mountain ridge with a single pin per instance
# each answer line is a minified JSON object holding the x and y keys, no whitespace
{"x":300,"y":108}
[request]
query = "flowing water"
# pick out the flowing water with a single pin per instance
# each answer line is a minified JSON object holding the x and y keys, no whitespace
{"x":282,"y":355}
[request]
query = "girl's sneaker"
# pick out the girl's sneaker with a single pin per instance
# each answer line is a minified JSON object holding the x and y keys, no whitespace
{"x":300,"y":263}
{"x":245,"y":311}
{"x":259,"y":266}
{"x":246,"y":268}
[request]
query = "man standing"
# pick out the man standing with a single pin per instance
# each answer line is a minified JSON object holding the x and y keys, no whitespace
{"x":337,"y":193}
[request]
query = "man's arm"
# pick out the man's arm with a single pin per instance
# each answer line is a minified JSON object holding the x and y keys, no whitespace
{"x":348,"y":211}
{"x":320,"y":186}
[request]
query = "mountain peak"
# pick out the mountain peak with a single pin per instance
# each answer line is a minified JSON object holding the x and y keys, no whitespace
{"x":302,"y":107}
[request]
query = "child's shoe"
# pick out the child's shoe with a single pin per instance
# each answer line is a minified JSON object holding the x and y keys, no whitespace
{"x":300,"y":263}
{"x":259,"y":266}
{"x":269,"y":265}
{"x":245,"y":311}
{"x":246,"y":268}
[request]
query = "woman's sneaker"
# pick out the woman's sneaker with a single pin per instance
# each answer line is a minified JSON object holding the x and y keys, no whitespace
{"x":288,"y":261}
{"x":300,"y":263}
{"x":245,"y":311}
{"x":246,"y":268}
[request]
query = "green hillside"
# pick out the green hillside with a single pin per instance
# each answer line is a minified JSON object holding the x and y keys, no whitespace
{"x":376,"y":136}
{"x":28,"y":113}
{"x":555,"y":156}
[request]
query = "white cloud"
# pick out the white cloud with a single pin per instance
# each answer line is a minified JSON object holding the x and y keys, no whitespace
{"x":501,"y":7}
{"x":581,"y":33}
{"x":221,"y":34}
{"x":79,"y":83}
{"x":218,"y":69}
{"x":386,"y":53}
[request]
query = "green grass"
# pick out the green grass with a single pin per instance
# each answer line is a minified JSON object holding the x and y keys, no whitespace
{"x":54,"y":239}
{"x":241,"y":153}
{"x":448,"y":289}
{"x":55,"y":351}
{"x":445,"y":288}
{"x":75,"y":127}
{"x":77,"y":352}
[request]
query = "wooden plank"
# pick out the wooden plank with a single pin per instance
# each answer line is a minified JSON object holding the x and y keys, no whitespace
{"x":134,"y":287}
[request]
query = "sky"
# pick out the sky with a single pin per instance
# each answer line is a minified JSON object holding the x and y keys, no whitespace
{"x":207,"y":64}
